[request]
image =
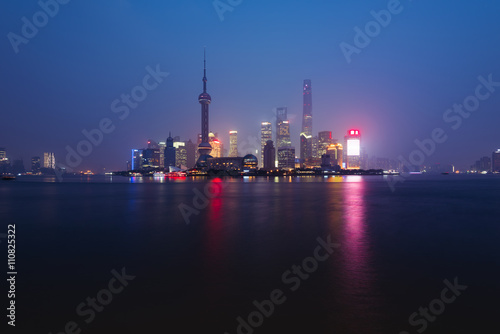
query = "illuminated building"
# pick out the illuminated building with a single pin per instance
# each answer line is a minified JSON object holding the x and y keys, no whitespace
{"x":180,"y":153}
{"x":282,"y":128}
{"x":204,"y":99}
{"x":305,"y":147}
{"x":233,"y":143}
{"x":306,"y":133}
{"x":35,"y":165}
{"x":269,"y":156}
{"x":495,"y":161}
{"x":324,"y":140}
{"x":250,"y":162}
{"x":283,"y":136}
{"x":286,"y":157}
{"x":49,"y":160}
{"x":136,"y":159}
{"x":151,"y":155}
{"x":353,"y":149}
{"x":169,"y":152}
{"x":162,"y":145}
{"x":315,"y":147}
{"x":3,"y":154}
{"x":216,"y":145}
{"x":265,"y":135}
{"x":225,"y":164}
{"x":335,"y":151}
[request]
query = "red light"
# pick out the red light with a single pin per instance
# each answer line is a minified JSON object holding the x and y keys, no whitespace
{"x":352,"y":132}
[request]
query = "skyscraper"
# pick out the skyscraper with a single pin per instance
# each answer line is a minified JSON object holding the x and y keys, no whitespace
{"x":136,"y":159}
{"x":233,"y":144}
{"x":162,"y":146}
{"x":204,"y":148}
{"x":286,"y":157}
{"x":265,"y":135}
{"x":49,"y":160}
{"x":190,"y":154}
{"x":336,"y":153}
{"x":170,"y":152}
{"x":306,"y":133}
{"x":180,"y":152}
{"x":35,"y":165}
{"x":353,"y":149}
{"x":269,"y":156}
{"x":281,"y":130}
{"x":324,"y":140}
{"x":495,"y":161}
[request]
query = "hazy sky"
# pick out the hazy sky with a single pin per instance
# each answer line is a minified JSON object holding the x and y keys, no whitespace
{"x":396,"y":89}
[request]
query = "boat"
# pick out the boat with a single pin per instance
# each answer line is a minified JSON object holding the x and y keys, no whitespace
{"x":176,"y":174}
{"x":8,"y":177}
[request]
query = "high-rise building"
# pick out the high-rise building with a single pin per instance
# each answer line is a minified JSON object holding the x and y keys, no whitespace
{"x":353,"y":149}
{"x":170,"y":152}
{"x":190,"y":154}
{"x":216,"y":145}
{"x":282,"y":128}
{"x":151,"y":155}
{"x":3,"y":154}
{"x":180,"y":153}
{"x":495,"y":161}
{"x":266,"y":134}
{"x":269,"y":156}
{"x":162,"y":145}
{"x":204,"y":99}
{"x":324,"y":140}
{"x":233,"y":144}
{"x":136,"y":159}
{"x":315,"y":142}
{"x":49,"y":160}
{"x":306,"y":133}
{"x":283,"y":135}
{"x":286,"y":157}
{"x":335,"y":151}
{"x":35,"y":165}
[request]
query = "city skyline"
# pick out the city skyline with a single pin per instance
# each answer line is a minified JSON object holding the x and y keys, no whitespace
{"x":396,"y":90}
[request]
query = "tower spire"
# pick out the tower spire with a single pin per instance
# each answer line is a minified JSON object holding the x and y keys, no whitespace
{"x":204,"y":71}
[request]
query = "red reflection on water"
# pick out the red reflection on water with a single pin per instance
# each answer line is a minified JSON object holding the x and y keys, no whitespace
{"x":215,"y":241}
{"x":354,"y":216}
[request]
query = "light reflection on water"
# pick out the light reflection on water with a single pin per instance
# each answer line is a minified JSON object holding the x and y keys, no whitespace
{"x":236,"y":248}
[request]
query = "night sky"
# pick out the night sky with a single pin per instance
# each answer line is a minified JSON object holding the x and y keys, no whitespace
{"x":395,"y":90}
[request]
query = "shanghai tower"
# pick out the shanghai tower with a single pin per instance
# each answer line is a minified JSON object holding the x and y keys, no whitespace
{"x":306,"y":133}
{"x":204,"y":148}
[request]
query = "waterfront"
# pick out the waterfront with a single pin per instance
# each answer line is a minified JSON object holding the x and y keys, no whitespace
{"x":395,"y":250}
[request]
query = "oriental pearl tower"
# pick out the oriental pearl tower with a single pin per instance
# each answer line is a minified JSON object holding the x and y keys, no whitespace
{"x":204,"y":148}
